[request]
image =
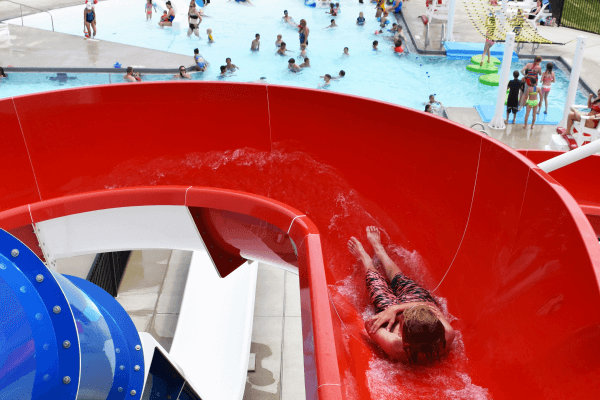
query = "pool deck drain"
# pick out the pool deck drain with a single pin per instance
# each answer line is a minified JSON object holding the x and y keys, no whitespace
{"x":32,"y":47}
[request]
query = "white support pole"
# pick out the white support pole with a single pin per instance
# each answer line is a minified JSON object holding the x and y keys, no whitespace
{"x":497,"y":121}
{"x":574,"y":81}
{"x":570,"y":156}
{"x":450,"y":27}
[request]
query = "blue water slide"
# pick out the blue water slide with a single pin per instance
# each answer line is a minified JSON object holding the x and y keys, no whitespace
{"x":62,"y":337}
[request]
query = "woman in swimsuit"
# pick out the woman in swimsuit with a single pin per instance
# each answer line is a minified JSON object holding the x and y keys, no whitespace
{"x":594,"y":112}
{"x":170,"y":14}
{"x":547,"y":79}
{"x":194,"y":20}
{"x":533,"y":100}
{"x":303,"y":32}
{"x":408,"y":320}
{"x":89,"y":20}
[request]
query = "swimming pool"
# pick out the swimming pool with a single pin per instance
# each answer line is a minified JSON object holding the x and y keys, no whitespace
{"x":405,"y":80}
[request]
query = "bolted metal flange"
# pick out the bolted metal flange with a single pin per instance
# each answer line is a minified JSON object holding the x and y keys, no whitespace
{"x":67,"y":380}
{"x":39,"y":278}
{"x":56,"y":309}
{"x":14,"y":252}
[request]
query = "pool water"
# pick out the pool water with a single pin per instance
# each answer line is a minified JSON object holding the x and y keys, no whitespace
{"x":406,"y":80}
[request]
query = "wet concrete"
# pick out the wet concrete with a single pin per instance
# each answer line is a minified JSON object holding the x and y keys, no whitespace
{"x":31,"y":47}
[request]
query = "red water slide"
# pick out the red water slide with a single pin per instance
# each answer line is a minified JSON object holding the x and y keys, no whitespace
{"x":506,"y":248}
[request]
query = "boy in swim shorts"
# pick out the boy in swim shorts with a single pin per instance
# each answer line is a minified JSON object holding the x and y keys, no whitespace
{"x":512,"y":102}
{"x":408,"y":320}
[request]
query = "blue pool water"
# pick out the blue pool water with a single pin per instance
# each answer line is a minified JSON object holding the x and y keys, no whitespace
{"x":405,"y":80}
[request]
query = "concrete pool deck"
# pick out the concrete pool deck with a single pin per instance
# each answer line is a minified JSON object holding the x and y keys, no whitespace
{"x":464,"y":31}
{"x":38,"y":48}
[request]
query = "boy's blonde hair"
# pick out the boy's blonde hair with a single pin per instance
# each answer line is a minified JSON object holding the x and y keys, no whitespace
{"x":422,"y":332}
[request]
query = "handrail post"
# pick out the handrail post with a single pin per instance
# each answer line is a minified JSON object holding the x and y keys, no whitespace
{"x":21,"y":7}
{"x":570,"y":157}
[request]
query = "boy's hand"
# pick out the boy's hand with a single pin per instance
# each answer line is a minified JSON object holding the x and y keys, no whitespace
{"x":388,"y":316}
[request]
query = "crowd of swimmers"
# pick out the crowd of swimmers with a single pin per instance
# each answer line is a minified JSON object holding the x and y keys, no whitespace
{"x":281,"y":48}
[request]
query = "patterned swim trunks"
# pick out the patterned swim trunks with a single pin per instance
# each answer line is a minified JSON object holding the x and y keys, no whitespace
{"x":402,"y":290}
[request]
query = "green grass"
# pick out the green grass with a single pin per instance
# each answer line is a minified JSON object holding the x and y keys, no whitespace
{"x":582,"y":14}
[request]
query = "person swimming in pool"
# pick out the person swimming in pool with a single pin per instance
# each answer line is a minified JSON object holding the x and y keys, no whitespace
{"x":408,"y":320}
{"x":282,"y":50}
{"x":332,"y":25}
{"x":248,"y":2}
{"x":327,"y":79}
{"x":306,"y":63}
{"x":182,"y":74}
{"x":346,"y":51}
{"x":255,"y":46}
{"x":361,"y":19}
{"x":279,"y":41}
{"x":230,"y":67}
{"x":292,"y":66}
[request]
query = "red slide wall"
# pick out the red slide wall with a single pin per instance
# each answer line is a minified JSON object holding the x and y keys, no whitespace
{"x":508,"y":249}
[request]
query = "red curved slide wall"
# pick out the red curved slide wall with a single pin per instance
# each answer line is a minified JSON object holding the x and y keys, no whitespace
{"x":579,"y":179}
{"x":508,"y":248}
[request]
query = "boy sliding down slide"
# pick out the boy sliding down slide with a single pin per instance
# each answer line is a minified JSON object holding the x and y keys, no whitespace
{"x":408,"y":319}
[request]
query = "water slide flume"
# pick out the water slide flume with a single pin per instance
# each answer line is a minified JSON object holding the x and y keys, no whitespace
{"x":510,"y":251}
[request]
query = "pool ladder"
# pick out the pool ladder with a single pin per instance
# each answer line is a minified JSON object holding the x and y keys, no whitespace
{"x":442,"y":37}
{"x":482,"y":130}
{"x":21,"y":7}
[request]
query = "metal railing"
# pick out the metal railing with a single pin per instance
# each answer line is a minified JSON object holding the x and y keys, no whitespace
{"x":21,"y":7}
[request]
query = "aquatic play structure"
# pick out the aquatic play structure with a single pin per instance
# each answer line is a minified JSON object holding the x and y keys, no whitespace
{"x":510,"y":251}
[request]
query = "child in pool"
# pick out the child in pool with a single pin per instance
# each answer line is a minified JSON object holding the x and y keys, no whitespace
{"x":255,"y":46}
{"x":201,"y":63}
{"x":279,"y":41}
{"x":283,"y":49}
{"x":332,"y":10}
{"x":333,"y":24}
{"x":346,"y":51}
{"x":337,"y":8}
{"x":327,"y":79}
{"x":303,"y":52}
{"x":305,"y":64}
{"x":361,"y":19}
{"x":292,"y":66}
{"x":165,"y":17}
{"x":375,"y":44}
{"x":223,"y":73}
{"x":398,"y":48}
{"x":210,"y":37}
{"x":149,"y":7}
{"x":383,"y":20}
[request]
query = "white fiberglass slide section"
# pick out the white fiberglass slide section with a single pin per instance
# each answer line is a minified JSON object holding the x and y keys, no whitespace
{"x":116,"y":229}
{"x":214,"y":330}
